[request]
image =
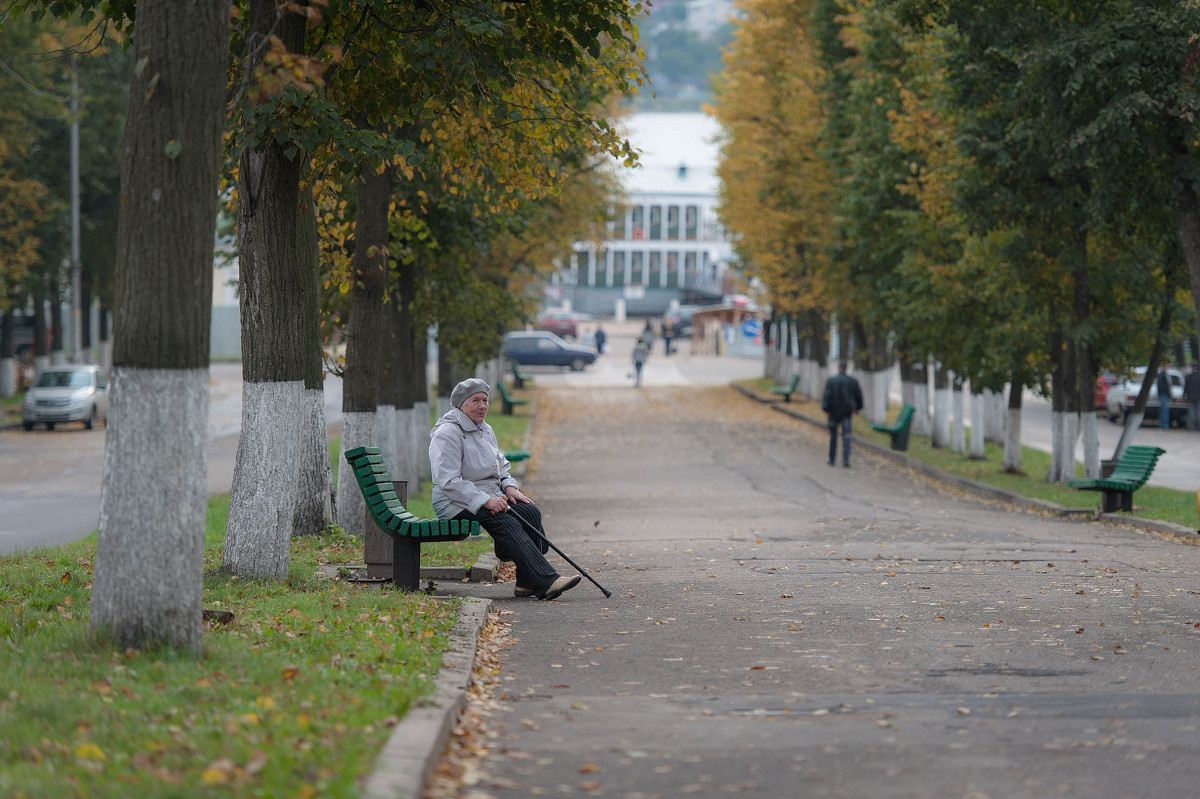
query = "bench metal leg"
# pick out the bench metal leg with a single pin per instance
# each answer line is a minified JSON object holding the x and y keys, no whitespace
{"x":900,"y":440}
{"x":406,"y":563}
{"x":1127,"y":501}
{"x":1110,"y":500}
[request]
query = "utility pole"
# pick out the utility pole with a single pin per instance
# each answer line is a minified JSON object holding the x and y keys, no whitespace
{"x":77,"y":354}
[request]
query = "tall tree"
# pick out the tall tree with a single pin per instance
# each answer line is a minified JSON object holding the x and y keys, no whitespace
{"x":263,"y":498}
{"x":149,"y":556}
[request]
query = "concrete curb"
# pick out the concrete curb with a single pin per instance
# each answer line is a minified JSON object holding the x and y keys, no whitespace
{"x":415,"y":745}
{"x":977,"y":488}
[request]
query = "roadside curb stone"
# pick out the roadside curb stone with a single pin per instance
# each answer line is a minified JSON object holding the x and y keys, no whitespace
{"x":977,"y":488}
{"x":415,"y":745}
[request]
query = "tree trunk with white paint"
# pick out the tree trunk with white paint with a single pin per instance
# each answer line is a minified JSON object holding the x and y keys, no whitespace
{"x":314,"y":494}
{"x":147,"y":587}
{"x":922,"y":424}
{"x":360,"y":381}
{"x":940,"y":436}
{"x":1091,"y":444}
{"x":980,"y":411}
{"x":874,"y":385}
{"x":8,"y":361}
{"x":994,"y":409}
{"x":1012,"y":432}
{"x":266,"y":476}
{"x":958,"y":437}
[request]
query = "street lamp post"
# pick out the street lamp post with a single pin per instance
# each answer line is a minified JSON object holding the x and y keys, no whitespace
{"x":76,"y":288}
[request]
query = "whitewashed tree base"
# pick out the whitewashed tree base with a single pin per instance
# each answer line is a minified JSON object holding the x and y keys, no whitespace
{"x":314,"y":501}
{"x":148,"y":583}
{"x":262,"y":502}
{"x":385,"y":437}
{"x":995,"y":406}
{"x":942,"y":420}
{"x":921,"y":423}
{"x":358,"y":430}
{"x":406,"y":448}
{"x":1012,"y":441}
{"x":979,"y":421}
{"x":958,"y":437}
{"x":1091,"y":444}
{"x":422,"y":427}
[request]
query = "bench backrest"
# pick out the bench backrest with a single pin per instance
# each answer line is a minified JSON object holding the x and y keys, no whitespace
{"x":906,"y":415}
{"x":376,"y":486}
{"x":1136,"y":464}
{"x":386,"y":509}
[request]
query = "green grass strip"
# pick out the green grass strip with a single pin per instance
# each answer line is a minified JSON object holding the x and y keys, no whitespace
{"x":294,"y":698}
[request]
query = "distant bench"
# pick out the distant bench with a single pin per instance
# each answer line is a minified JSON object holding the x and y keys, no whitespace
{"x":1132,"y":472}
{"x":787,"y":389}
{"x":519,"y":377}
{"x":407,"y":531}
{"x":507,"y":400}
{"x":898,"y":429}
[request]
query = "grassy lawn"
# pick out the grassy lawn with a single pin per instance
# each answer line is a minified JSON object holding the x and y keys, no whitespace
{"x":1151,"y":502}
{"x":294,"y":698}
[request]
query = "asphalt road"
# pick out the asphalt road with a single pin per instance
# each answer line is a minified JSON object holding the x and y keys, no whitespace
{"x":50,"y":480}
{"x":780,"y":628}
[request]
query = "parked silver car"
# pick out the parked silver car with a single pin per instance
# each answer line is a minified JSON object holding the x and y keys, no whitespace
{"x":66,"y":394}
{"x":1119,"y":401}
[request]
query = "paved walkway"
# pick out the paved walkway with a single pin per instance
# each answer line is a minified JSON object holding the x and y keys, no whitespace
{"x":780,"y":628}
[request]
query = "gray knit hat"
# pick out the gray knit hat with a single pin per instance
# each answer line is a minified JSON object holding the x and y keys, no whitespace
{"x":463,"y":391}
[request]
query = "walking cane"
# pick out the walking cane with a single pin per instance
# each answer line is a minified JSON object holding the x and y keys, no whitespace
{"x":550,"y":544}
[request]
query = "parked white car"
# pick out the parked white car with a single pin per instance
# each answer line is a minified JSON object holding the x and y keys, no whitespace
{"x":1120,"y":398}
{"x":66,"y":394}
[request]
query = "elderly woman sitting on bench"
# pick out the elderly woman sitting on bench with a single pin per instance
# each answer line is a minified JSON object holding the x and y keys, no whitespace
{"x":471,"y":481}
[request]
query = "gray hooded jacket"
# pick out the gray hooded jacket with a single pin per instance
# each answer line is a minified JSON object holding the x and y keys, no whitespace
{"x":468,"y":466}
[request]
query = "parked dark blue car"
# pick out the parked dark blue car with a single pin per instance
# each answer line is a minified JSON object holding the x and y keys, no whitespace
{"x":541,"y":348}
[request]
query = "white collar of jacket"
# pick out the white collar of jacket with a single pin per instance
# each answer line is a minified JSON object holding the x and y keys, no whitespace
{"x":459,"y":418}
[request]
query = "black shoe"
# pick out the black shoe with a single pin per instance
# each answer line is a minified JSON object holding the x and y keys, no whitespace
{"x":560,"y":585}
{"x":844,"y":463}
{"x":523,"y":593}
{"x":832,"y":463}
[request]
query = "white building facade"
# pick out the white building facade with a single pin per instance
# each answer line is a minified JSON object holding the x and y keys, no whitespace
{"x":665,"y":244}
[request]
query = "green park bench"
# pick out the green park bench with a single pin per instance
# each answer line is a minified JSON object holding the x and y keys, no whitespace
{"x":507,"y":400}
{"x":1132,"y":472}
{"x":407,"y":531}
{"x":519,"y":377}
{"x":787,"y":389}
{"x":898,"y":429}
{"x":515,"y":455}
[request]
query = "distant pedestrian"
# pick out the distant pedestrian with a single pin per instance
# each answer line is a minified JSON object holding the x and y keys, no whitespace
{"x":668,"y":334}
{"x":1164,"y":396}
{"x":647,"y":334}
{"x":640,"y":350}
{"x":1191,"y":392}
{"x":600,"y":337}
{"x":842,"y":399}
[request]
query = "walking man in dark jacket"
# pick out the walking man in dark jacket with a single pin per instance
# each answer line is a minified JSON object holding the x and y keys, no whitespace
{"x":843,"y":398}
